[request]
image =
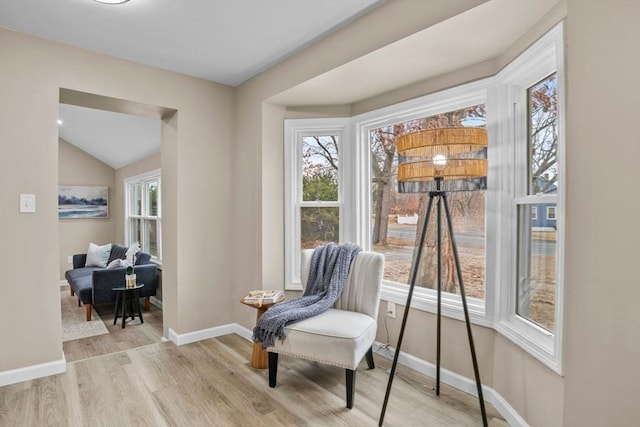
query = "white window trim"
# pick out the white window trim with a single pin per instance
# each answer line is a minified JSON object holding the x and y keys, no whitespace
{"x":480,"y":311}
{"x":555,"y":213}
{"x":510,"y":134}
{"x":534,"y":212}
{"x":294,"y":131}
{"x":142,"y":178}
{"x":504,"y":97}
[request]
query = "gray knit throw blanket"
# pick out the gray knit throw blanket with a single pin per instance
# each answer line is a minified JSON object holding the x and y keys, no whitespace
{"x":328,"y":273}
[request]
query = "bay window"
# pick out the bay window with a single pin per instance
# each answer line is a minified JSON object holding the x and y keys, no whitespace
{"x":510,"y":237}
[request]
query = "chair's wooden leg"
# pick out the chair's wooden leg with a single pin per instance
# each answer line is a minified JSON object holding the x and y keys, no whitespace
{"x":351,"y":386}
{"x":369,"y":357}
{"x":71,"y":290}
{"x":273,"y":369}
{"x":147,"y":303}
{"x":87,"y":308}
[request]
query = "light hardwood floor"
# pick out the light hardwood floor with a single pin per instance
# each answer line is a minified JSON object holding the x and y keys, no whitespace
{"x":211,"y":383}
{"x":133,"y":335}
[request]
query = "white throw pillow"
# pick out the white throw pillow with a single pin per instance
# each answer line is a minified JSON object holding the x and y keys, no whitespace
{"x":97,"y":256}
{"x":117,"y":263}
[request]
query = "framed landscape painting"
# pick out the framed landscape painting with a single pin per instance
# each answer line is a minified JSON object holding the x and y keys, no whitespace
{"x":83,"y":201}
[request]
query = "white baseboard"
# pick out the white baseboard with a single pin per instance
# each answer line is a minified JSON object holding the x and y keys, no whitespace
{"x":502,"y":406}
{"x":458,"y":381}
{"x":453,"y":379}
{"x":244,"y":332}
{"x":155,"y":301}
{"x":63,"y":283}
{"x":32,"y":372}
{"x":189,"y":337}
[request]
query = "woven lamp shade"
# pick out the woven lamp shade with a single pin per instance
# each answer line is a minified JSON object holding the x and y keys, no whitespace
{"x":466,"y":164}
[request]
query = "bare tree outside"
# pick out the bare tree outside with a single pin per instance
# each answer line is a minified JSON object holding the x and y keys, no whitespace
{"x":397,"y":217}
{"x":384,"y":163}
{"x":543,"y":139}
{"x":319,"y":218}
{"x":536,"y":286}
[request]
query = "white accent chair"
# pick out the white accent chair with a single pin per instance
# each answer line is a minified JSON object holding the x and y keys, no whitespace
{"x":344,"y":334}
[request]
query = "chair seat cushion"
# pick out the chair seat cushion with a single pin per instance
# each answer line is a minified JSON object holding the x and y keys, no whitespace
{"x":325,"y":339}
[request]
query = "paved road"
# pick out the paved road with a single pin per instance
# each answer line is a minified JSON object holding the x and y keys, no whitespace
{"x":470,"y":238}
{"x":462,"y":238}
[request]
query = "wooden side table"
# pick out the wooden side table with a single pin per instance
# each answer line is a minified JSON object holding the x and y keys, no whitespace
{"x":259,"y":358}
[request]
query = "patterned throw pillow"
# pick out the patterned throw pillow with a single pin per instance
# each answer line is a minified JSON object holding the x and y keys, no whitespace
{"x":97,"y":256}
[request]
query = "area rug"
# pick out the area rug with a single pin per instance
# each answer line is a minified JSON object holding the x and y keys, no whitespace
{"x":74,"y":325}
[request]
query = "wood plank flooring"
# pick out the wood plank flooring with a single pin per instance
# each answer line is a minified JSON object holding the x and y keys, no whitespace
{"x":133,"y":335}
{"x":211,"y":383}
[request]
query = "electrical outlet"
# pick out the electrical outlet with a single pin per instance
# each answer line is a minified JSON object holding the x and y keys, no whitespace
{"x":70,"y":259}
{"x":391,"y":309}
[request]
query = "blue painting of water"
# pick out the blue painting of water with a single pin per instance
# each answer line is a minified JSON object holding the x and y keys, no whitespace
{"x":83,"y":211}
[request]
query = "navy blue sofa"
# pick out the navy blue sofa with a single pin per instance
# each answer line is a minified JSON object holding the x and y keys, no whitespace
{"x":93,"y":285}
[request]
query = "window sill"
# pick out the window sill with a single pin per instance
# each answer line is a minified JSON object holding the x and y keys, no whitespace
{"x":426,"y":300}
{"x":536,"y":341}
{"x":539,"y":343}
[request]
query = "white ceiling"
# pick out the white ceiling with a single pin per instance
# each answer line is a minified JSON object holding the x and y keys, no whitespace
{"x":472,"y":37}
{"x":225,"y":41}
{"x":116,"y":139}
{"x":230,"y":41}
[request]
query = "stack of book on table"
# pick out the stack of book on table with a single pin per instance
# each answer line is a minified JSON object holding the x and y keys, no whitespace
{"x":263,"y":297}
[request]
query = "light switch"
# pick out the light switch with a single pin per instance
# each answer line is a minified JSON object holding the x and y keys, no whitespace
{"x":27,"y":203}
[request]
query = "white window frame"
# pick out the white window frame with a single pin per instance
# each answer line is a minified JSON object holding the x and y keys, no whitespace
{"x":480,"y":311}
{"x":294,"y":131}
{"x":542,"y":59}
{"x":534,"y":213}
{"x":505,"y":98}
{"x":144,"y":178}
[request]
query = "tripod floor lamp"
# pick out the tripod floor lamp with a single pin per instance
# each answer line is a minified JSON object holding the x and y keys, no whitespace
{"x":437,"y":161}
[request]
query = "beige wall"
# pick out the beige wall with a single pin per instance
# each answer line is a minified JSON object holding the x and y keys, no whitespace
{"x":420,"y":341}
{"x":540,"y":395}
{"x":208,"y":267}
{"x":264,"y":146}
{"x":602,"y":309}
{"x":196,"y":170}
{"x":76,"y":167}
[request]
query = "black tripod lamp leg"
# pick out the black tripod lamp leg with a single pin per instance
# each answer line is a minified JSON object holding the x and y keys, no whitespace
{"x":439,"y":290}
{"x":414,"y":275}
{"x":463,"y":297}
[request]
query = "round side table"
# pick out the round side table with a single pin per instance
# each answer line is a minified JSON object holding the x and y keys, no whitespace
{"x":125,"y":298}
{"x":259,"y":358}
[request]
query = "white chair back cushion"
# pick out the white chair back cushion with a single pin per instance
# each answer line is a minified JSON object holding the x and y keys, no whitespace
{"x":362,"y":291}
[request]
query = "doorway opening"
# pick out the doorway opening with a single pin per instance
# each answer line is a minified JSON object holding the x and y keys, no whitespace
{"x":103,"y":143}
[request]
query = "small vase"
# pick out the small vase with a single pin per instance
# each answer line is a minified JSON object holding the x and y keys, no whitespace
{"x":130,"y":280}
